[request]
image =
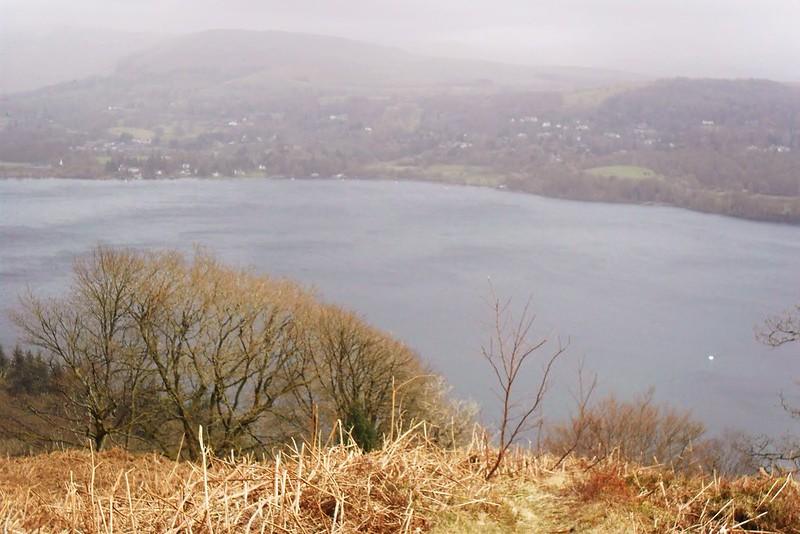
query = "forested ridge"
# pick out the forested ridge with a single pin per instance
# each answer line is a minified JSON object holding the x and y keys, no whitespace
{"x":275,"y":106}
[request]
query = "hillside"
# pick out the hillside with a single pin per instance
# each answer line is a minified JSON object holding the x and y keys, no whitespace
{"x":408,"y":486}
{"x":682,"y":102}
{"x":272,"y":104}
{"x":275,"y":60}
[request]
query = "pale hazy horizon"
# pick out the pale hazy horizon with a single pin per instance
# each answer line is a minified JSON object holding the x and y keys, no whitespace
{"x":704,"y":38}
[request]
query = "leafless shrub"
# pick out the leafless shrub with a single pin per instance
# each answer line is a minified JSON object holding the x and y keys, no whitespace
{"x":727,"y":454}
{"x":783,"y":453}
{"x":507,"y":353}
{"x":350,"y":371}
{"x":371,"y":383}
{"x":781,"y":329}
{"x":778,"y":455}
{"x":638,"y":430}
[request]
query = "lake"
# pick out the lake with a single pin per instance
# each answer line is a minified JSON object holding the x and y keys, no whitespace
{"x":644,"y":294}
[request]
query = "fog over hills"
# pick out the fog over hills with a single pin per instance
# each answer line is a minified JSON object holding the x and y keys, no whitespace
{"x":659,"y":38}
{"x":29,"y":60}
{"x":262,"y":58}
{"x":272,"y":103}
{"x":252,"y":57}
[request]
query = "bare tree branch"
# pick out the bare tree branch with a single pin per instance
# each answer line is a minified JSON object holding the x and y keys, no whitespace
{"x":507,"y":352}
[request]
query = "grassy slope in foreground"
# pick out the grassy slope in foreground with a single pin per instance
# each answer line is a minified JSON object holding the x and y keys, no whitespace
{"x":408,"y":486}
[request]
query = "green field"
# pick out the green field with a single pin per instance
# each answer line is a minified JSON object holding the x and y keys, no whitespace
{"x":136,"y":133}
{"x":589,"y":98}
{"x":631,"y":172}
{"x":14,"y":164}
{"x":22,"y":165}
{"x":184,"y":130}
{"x":446,"y":173}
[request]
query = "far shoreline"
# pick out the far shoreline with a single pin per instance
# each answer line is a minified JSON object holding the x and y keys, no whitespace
{"x":420,"y":179}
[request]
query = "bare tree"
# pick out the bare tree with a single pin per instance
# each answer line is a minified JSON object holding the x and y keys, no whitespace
{"x":771,"y":454}
{"x":154,"y":346}
{"x":580,"y":422}
{"x":638,"y":430}
{"x":729,"y":453}
{"x":350,"y":369}
{"x":220,"y":341}
{"x":781,"y":329}
{"x":783,"y":453}
{"x":508,"y":352}
{"x":88,"y":334}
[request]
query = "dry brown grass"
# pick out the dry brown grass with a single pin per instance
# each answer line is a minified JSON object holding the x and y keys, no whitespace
{"x":663,"y":500}
{"x":409,"y":485}
{"x":307,"y":489}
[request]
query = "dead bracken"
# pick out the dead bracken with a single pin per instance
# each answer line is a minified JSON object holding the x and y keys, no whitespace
{"x":408,"y":485}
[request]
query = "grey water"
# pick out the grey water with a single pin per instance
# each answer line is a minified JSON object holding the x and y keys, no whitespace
{"x":643,"y":294}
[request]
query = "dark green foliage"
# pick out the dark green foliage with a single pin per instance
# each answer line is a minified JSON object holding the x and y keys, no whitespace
{"x":362,"y":428}
{"x":4,"y":362}
{"x":26,"y":373}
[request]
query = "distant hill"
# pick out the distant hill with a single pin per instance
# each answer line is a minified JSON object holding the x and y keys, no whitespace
{"x":29,"y":60}
{"x":271,"y":58}
{"x":243,"y":103}
{"x":677,"y":103}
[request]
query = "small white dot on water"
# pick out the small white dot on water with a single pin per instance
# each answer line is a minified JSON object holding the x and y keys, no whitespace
{"x":711,"y":357}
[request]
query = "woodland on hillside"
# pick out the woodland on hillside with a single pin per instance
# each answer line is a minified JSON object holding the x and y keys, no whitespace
{"x":721,"y":146}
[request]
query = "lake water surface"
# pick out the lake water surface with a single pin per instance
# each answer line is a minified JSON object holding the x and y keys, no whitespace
{"x":644,"y":294}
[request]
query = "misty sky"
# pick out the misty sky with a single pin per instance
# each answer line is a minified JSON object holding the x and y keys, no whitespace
{"x":735,"y":38}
